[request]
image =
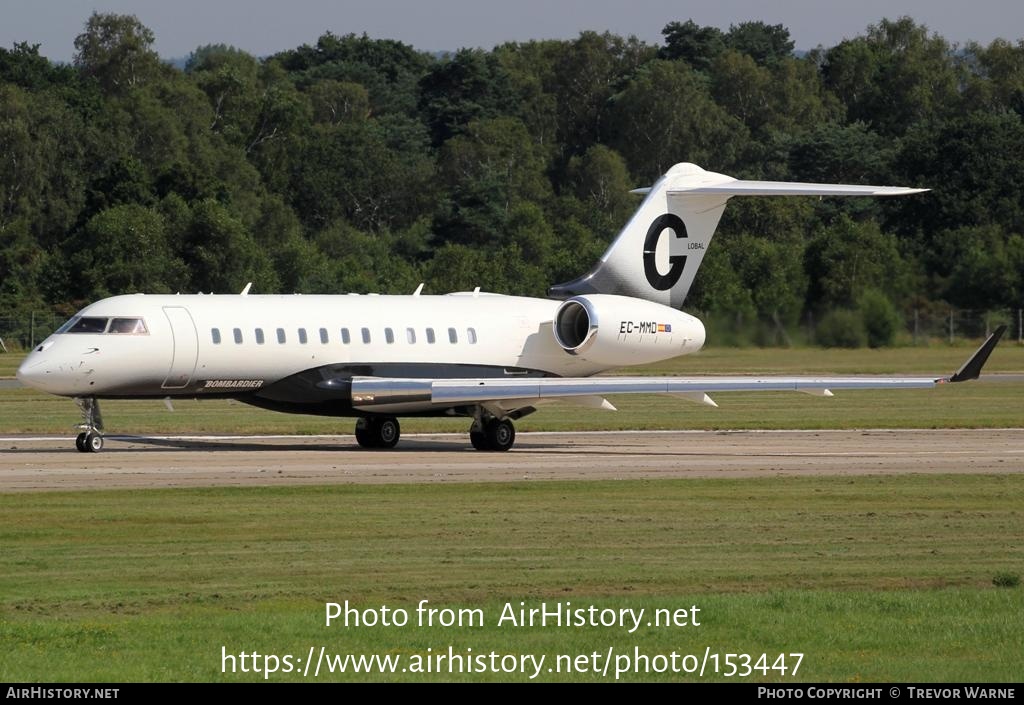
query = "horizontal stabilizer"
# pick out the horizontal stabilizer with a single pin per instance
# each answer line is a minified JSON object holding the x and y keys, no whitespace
{"x":787,"y":188}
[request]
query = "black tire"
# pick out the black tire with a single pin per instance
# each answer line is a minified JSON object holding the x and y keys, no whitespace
{"x":479,"y":440}
{"x":501,"y":435}
{"x":93,"y":442}
{"x":80,"y":442}
{"x":364,"y":433}
{"x":388,"y":432}
{"x":378,"y":431}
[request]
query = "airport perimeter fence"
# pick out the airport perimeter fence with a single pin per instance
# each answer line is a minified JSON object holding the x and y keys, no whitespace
{"x":937,"y":325}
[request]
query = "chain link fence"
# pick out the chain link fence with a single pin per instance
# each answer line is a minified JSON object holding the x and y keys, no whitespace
{"x":19,"y":333}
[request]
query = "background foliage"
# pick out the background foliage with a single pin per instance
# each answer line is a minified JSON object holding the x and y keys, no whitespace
{"x":359,"y":164}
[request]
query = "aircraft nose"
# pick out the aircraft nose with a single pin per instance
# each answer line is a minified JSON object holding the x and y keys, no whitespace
{"x":31,"y":371}
{"x":40,"y":371}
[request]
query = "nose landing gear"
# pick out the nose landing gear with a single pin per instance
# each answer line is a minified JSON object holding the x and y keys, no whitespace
{"x":90,"y":440}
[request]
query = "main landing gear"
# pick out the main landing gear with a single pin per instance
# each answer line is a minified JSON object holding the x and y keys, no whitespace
{"x":492,"y":434}
{"x":378,"y":431}
{"x":90,"y":440}
{"x":486,"y":433}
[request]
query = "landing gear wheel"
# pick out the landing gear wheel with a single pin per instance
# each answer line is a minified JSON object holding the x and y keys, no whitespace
{"x":90,"y":440}
{"x":378,"y":432}
{"x":479,"y":440}
{"x":93,"y":442}
{"x":388,"y":432}
{"x":364,"y":433}
{"x":501,"y":435}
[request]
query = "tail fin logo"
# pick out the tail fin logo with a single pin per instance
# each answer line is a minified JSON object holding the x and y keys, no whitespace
{"x":661,"y":282}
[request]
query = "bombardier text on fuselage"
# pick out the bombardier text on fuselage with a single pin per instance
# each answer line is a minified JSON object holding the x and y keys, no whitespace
{"x":489,"y":358}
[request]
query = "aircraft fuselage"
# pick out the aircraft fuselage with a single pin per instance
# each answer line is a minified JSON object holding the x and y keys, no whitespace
{"x":295,"y":352}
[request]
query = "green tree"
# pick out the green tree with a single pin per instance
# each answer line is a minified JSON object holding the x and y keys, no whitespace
{"x":489,"y":170}
{"x":764,"y":43}
{"x":230,"y":79}
{"x":389,"y":70}
{"x":881,"y":320}
{"x":338,"y":101}
{"x":975,"y":167}
{"x":587,"y":73}
{"x":987,"y":269}
{"x":116,"y":51}
{"x":471,"y":85}
{"x":895,"y":76}
{"x":362,"y":172}
{"x":601,"y":183}
{"x":124,"y":250}
{"x":847,"y":259}
{"x":696,"y":45}
{"x":221,"y":255}
{"x":1001,"y":68}
{"x":666,"y":115}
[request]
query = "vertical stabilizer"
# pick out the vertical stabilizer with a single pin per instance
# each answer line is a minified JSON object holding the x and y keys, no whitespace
{"x":657,"y":254}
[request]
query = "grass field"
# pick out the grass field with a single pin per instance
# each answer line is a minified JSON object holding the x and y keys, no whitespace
{"x":872,"y":578}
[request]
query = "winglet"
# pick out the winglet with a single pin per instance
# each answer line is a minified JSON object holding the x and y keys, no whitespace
{"x":972,"y":368}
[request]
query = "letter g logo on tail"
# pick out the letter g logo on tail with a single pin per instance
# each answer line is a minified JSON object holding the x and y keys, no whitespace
{"x":661,"y":282}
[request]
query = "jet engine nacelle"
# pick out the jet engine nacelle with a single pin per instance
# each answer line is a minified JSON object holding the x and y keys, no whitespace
{"x":619,"y":330}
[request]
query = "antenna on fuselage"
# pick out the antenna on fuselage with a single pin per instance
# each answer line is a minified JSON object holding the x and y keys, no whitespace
{"x":245,"y":291}
{"x":418,"y":290}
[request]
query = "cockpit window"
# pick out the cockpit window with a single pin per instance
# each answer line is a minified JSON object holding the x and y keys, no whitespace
{"x":67,"y":325}
{"x":130,"y":326}
{"x":88,"y":324}
{"x":93,"y":324}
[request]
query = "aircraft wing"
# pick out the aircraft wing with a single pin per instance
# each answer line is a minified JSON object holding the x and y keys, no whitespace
{"x":478,"y":390}
{"x":370,"y":391}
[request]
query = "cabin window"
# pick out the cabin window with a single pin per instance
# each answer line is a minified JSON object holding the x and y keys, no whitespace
{"x":88,"y":324}
{"x":389,"y":335}
{"x":128,"y":326}
{"x":410,"y":336}
{"x":453,"y":336}
{"x":280,"y":336}
{"x":238,"y":335}
{"x":366,"y":335}
{"x":324,"y":338}
{"x":302,"y":336}
{"x":215,"y":334}
{"x":471,"y":335}
{"x":430,"y":335}
{"x":345,"y":337}
{"x":259,"y":336}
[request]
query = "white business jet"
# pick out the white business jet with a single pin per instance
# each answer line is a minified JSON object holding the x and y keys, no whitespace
{"x":486,"y":357}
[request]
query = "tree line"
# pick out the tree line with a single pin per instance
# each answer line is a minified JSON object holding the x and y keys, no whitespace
{"x":361,"y":164}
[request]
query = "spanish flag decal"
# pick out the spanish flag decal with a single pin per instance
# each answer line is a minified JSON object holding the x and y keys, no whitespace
{"x":664,"y":327}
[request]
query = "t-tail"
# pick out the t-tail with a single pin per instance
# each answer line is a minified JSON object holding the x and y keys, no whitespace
{"x":658,"y":252}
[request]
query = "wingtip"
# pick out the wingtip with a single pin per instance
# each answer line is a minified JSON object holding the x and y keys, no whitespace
{"x":972,"y":368}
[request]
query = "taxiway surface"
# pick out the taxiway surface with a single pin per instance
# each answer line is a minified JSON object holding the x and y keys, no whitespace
{"x":52,"y":463}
